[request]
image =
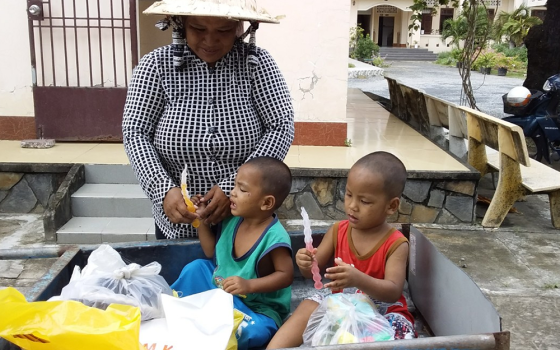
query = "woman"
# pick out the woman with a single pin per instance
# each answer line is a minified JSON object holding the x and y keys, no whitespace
{"x":208,"y":105}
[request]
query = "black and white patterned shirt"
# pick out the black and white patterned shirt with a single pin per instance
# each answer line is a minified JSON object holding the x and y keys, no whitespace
{"x":210,"y":119}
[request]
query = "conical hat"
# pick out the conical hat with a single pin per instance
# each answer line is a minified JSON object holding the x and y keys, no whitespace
{"x":246,"y":10}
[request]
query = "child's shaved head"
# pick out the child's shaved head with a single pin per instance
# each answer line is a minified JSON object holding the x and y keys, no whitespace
{"x":391,"y":169}
{"x":276,"y":177}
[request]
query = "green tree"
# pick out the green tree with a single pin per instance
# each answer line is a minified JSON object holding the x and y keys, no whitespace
{"x":355,"y":34}
{"x":478,"y":29}
{"x":362,"y":46}
{"x":365,"y":48}
{"x":456,"y":29}
{"x":514,"y":26}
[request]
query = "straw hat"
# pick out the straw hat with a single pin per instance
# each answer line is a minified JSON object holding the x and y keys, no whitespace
{"x":245,"y":10}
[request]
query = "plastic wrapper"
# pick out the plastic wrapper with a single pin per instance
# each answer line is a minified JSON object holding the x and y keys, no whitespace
{"x":67,"y":325}
{"x":199,"y":321}
{"x":106,"y":280}
{"x":344,"y":319}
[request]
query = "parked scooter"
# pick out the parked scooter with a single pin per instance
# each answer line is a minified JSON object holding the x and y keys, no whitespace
{"x":537,"y":114}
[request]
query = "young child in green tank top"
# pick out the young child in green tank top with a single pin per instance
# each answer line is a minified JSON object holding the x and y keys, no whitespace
{"x":251,"y":252}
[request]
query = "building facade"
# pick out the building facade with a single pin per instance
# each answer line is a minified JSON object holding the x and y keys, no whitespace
{"x":70,"y":62}
{"x":67,"y":63}
{"x":387,"y":21}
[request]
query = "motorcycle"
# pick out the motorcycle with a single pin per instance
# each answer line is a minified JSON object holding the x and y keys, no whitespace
{"x":537,"y":115}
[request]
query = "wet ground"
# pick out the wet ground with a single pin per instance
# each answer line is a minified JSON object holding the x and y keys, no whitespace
{"x":516,"y":266}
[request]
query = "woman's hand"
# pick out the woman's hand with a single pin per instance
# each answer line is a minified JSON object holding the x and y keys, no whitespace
{"x":217,"y":206}
{"x":175,"y":208}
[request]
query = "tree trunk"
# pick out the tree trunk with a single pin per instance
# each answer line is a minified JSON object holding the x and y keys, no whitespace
{"x":543,"y":48}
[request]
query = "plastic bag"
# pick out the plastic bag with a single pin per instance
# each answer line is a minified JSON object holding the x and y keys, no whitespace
{"x":67,"y":325}
{"x":106,"y":280}
{"x":346,"y":318}
{"x":204,"y":320}
{"x":237,"y":319}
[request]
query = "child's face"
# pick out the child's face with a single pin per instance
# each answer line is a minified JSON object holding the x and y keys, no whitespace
{"x":246,"y":197}
{"x":365,"y":201}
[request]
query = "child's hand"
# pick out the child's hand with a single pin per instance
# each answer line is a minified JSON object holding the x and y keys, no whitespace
{"x":197,"y":201}
{"x":342,"y":276}
{"x":304,"y":258}
{"x":236,"y":285}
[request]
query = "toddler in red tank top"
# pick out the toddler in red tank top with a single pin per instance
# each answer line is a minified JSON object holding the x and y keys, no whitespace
{"x":370,"y":256}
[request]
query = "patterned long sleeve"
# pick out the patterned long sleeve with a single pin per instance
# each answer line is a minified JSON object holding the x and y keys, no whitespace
{"x":207,"y":120}
{"x":144,"y":106}
{"x":273,"y":104}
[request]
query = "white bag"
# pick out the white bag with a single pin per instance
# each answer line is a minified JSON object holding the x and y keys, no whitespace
{"x":199,"y":321}
{"x":106,"y":280}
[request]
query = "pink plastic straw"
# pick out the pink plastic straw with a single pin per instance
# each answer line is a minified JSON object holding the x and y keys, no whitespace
{"x":309,"y":246}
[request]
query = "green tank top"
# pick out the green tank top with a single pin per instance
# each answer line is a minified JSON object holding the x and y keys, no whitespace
{"x":275,"y":305}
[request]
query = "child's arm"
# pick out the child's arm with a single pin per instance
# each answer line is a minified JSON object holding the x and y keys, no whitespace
{"x":387,"y":290}
{"x":205,"y":235}
{"x":323,"y":253}
{"x":282,"y":277}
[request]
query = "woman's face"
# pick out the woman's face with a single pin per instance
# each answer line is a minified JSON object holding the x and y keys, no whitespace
{"x":210,"y":38}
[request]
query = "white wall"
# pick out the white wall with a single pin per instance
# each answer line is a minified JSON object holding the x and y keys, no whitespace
{"x":532,"y":3}
{"x":311,"y":48}
{"x":16,"y":97}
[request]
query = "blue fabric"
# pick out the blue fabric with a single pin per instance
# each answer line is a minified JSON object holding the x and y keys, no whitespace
{"x":254,"y":332}
{"x":275,"y":304}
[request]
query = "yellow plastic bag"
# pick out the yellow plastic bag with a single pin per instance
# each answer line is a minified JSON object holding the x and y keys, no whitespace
{"x":67,"y":325}
{"x":237,"y":318}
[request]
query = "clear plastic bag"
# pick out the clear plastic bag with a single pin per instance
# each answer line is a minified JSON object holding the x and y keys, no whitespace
{"x":106,"y":280}
{"x":344,"y":319}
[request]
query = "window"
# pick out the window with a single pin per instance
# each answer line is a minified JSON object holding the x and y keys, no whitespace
{"x":538,"y":13}
{"x":426,"y":24}
{"x":491,"y":15}
{"x":444,"y":15}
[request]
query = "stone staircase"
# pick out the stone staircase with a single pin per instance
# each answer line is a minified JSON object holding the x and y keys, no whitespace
{"x":406,"y":54}
{"x":110,"y":207}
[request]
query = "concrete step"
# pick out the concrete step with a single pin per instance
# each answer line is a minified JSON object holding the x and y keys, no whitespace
{"x":406,"y":54}
{"x":426,"y":59}
{"x":384,"y":48}
{"x":412,"y":54}
{"x":110,"y":174}
{"x":111,"y":200}
{"x":96,"y":230}
{"x":110,"y":207}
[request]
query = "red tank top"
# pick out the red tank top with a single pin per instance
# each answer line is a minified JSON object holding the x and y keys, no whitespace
{"x":373,"y":262}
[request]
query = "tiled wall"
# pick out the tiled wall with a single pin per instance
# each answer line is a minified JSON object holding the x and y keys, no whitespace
{"x":320,"y":134}
{"x":17,"y":128}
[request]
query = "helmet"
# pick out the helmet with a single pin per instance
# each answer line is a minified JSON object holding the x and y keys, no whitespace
{"x":552,"y":83}
{"x":519,"y":96}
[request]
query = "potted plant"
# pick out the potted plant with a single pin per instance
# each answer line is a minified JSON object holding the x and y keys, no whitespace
{"x":456,"y":56}
{"x":415,"y":44}
{"x":486,"y":61}
{"x":365,"y":49}
{"x":503,"y":63}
